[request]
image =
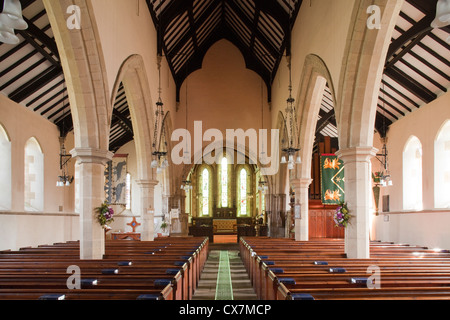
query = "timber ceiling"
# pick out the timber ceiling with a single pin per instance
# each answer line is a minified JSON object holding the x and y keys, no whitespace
{"x":417,"y":68}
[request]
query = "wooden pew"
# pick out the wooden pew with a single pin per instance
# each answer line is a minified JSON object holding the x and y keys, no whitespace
{"x":159,"y":269}
{"x":401,"y":267}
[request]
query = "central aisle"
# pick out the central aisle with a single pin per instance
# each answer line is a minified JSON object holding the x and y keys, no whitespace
{"x":224,"y":278}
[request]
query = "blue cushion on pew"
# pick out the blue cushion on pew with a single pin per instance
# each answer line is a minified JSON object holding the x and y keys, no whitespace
{"x":179,"y":263}
{"x":110,"y":271}
{"x":269,"y":263}
{"x":52,"y":296}
{"x":302,"y":296}
{"x":148,"y":297}
{"x":264,"y":257}
{"x":321,"y":263}
{"x":149,"y":252}
{"x":337,"y":270}
{"x":185,"y":257}
{"x":161,"y":282}
{"x":172,"y":271}
{"x":124,"y":263}
{"x":359,"y":280}
{"x":88,"y":282}
{"x":287,"y":280}
{"x":277,"y":270}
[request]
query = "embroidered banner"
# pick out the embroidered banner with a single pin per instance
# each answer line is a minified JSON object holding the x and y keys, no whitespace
{"x":332,"y":179}
{"x":115,"y":180}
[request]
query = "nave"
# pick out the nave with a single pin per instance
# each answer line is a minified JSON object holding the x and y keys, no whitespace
{"x":258,"y":268}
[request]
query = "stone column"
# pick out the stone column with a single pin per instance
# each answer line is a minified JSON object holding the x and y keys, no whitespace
{"x":357,"y":195}
{"x":92,"y":194}
{"x":301,"y":189}
{"x":147,"y":208}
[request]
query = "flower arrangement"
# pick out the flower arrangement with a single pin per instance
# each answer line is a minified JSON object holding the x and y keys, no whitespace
{"x":377,"y":176}
{"x":342,"y":216}
{"x":104,"y":214}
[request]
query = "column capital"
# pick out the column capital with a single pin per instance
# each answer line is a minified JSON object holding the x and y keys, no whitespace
{"x":357,"y":154}
{"x":301,"y":183}
{"x":147,"y":183}
{"x":92,"y":155}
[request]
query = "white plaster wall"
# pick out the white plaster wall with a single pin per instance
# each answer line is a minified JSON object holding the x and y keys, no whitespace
{"x":125,"y":28}
{"x":56,"y":222}
{"x":429,"y":227}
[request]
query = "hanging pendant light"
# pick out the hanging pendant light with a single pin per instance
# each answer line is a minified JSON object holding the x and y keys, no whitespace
{"x":7,"y":33}
{"x":442,"y":14}
{"x":291,"y":150}
{"x":12,"y":9}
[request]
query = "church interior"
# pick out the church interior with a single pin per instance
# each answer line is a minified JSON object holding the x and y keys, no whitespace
{"x":299,"y":149}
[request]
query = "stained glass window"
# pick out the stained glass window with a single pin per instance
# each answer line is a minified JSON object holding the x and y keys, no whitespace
{"x":224,"y":182}
{"x":205,"y":192}
{"x":243,"y":192}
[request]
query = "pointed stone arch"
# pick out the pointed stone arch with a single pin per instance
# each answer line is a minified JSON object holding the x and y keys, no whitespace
{"x":85,"y":74}
{"x":84,"y":69}
{"x":362,"y":70}
{"x":137,"y":90}
{"x":314,"y":78}
{"x":359,"y":86}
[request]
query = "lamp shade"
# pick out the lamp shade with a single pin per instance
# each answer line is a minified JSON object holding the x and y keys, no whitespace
{"x":442,"y":14}
{"x":6,"y":33}
{"x":12,"y":9}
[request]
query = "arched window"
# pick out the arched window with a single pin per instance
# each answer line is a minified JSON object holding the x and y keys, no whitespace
{"x":5,"y":170}
{"x":441,"y":168}
{"x":205,"y":193}
{"x":34,"y":176}
{"x":128,"y":192}
{"x":412,"y":175}
{"x":243,"y":203}
{"x":224,"y":182}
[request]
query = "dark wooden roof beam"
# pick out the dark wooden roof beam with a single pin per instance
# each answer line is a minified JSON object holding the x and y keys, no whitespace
{"x":267,"y":44}
{"x":38,"y":34}
{"x":410,"y":84}
{"x":401,"y":94}
{"x":416,"y":32}
{"x":124,"y":120}
{"x":35,"y":84}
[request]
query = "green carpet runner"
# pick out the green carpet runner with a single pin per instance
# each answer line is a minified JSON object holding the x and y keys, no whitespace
{"x":224,"y":289}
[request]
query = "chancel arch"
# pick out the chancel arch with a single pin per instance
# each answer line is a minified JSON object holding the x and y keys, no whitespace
{"x":224,"y":194}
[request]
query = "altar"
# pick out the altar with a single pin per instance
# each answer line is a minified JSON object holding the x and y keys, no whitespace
{"x":225,"y":226}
